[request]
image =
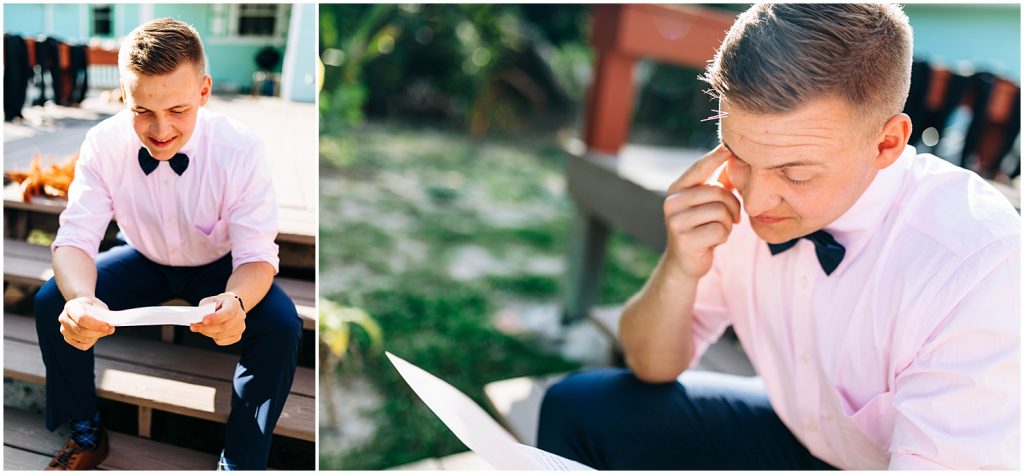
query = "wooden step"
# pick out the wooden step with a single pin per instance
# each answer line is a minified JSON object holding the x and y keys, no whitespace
{"x":517,"y":404}
{"x":30,"y":265}
{"x":159,"y":355}
{"x":160,"y":376}
{"x":28,"y":445}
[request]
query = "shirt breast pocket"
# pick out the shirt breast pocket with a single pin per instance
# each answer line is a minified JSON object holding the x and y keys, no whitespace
{"x":874,"y":420}
{"x":215,"y":231}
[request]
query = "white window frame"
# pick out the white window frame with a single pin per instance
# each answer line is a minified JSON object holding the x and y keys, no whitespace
{"x":225,"y":26}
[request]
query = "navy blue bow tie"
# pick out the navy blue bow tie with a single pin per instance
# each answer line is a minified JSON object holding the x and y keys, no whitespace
{"x":830,"y":252}
{"x":179,"y":163}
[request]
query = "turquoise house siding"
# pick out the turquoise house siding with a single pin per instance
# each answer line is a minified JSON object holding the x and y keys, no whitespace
{"x":30,"y":18}
{"x":299,"y":79}
{"x":985,"y":36}
{"x":230,"y":58}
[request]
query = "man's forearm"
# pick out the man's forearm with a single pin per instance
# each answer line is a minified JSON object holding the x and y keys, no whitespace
{"x":656,"y":325}
{"x":251,"y":281}
{"x":75,"y":273}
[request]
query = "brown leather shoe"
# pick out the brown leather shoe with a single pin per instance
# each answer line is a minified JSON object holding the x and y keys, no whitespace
{"x":72,"y":457}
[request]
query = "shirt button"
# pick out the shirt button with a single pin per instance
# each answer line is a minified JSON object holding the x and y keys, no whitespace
{"x":166,"y":183}
{"x":803,"y":282}
{"x":805,"y":358}
{"x":811,"y":426}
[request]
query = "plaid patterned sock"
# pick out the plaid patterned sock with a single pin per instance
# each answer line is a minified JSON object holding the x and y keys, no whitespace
{"x":224,"y":464}
{"x":86,"y":432}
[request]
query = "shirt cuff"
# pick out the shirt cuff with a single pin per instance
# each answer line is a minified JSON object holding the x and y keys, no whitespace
{"x":91,"y":250}
{"x":273,"y":260}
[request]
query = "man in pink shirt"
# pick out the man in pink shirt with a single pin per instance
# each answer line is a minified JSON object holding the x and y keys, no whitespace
{"x":875,"y":290}
{"x":193,"y":196}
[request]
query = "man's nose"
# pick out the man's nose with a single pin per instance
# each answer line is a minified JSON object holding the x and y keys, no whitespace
{"x":758,"y":195}
{"x":161,"y":127}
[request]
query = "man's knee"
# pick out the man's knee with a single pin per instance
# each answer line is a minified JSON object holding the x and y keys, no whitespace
{"x":48,"y":302}
{"x":571,"y":404}
{"x":277,"y":319}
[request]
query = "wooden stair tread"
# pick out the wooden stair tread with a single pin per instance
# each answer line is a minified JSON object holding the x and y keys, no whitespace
{"x":28,"y":445}
{"x":517,"y":404}
{"x":176,"y":392}
{"x":30,"y":265}
{"x":159,"y":355}
{"x":18,"y":460}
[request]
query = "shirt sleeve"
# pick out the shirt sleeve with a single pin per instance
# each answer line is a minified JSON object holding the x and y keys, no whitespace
{"x":90,"y":207}
{"x":252,"y":214}
{"x":710,"y":314}
{"x":958,"y":402}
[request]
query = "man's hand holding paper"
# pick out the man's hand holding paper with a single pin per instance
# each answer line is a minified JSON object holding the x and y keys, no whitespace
{"x":78,"y":324}
{"x":226,"y":325}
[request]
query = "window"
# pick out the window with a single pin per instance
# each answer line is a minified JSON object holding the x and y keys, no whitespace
{"x":257,"y":19}
{"x":102,"y":20}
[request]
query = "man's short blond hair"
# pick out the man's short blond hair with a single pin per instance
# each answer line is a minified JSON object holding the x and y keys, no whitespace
{"x":777,"y":57}
{"x":158,"y":47}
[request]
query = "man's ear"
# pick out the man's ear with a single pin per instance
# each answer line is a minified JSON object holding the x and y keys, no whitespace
{"x":204,"y":91}
{"x":894,"y":137}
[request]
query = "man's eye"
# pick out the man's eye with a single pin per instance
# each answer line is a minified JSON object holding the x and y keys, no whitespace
{"x":797,"y":178}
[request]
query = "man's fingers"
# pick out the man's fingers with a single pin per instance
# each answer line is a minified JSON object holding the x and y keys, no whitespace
{"x":220,"y":330}
{"x":220,"y":316}
{"x":723,"y":177}
{"x":76,"y":341}
{"x":696,"y":196}
{"x":88,"y":322}
{"x":701,"y":170}
{"x":694,"y":217}
{"x":80,"y":330}
{"x":227,"y":341}
{"x":710,"y":235}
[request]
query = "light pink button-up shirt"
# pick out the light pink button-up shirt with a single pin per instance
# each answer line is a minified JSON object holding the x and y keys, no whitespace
{"x":224,"y":202}
{"x":908,"y":355}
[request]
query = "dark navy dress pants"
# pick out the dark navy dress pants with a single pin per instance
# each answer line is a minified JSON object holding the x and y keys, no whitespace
{"x":608,"y":419}
{"x":127,"y":279}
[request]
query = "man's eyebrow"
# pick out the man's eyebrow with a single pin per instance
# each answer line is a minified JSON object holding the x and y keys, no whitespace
{"x":179,"y":106}
{"x":788,"y":164}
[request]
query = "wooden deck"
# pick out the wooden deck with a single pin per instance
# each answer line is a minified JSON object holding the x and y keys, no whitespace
{"x":160,"y":376}
{"x":28,"y":446}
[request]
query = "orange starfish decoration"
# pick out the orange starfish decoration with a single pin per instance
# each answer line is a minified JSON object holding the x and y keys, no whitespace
{"x":53,"y":181}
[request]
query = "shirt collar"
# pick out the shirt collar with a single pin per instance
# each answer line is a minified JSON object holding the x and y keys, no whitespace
{"x":873,"y":205}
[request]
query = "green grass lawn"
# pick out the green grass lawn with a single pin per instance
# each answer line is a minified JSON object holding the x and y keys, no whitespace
{"x":432,"y":233}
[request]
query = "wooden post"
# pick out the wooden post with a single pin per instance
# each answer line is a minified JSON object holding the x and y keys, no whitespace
{"x":167,"y":333}
{"x":145,"y":422}
{"x":610,"y":103}
{"x":588,"y":239}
